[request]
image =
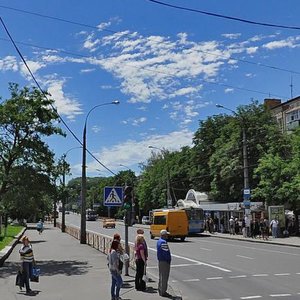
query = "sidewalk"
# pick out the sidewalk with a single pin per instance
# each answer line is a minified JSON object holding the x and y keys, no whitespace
{"x":293,"y":241}
{"x":69,"y":270}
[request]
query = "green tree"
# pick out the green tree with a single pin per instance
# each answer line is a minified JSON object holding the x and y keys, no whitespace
{"x":226,"y":162}
{"x":278,"y":173}
{"x":25,"y":159}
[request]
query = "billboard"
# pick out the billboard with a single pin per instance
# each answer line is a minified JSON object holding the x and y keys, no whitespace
{"x":278,"y":212}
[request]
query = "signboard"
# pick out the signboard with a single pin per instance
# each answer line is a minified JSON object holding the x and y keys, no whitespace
{"x":277,"y":212}
{"x":247,"y":204}
{"x":113,"y":196}
{"x":247,"y":194}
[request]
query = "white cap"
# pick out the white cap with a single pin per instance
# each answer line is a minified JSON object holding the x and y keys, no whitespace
{"x":164,"y":232}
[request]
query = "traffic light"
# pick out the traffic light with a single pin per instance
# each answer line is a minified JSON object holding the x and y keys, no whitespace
{"x":127,"y":201}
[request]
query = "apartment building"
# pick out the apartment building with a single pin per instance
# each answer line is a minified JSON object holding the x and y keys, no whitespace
{"x":287,"y":114}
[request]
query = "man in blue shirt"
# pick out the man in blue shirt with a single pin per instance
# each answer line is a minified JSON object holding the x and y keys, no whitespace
{"x":164,"y":263}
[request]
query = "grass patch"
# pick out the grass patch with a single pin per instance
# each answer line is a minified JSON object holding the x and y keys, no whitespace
{"x":12,"y":231}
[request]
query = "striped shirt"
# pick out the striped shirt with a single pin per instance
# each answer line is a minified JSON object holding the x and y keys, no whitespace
{"x":26,"y":253}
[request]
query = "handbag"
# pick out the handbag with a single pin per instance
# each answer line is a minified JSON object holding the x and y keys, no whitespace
{"x":35,"y":274}
{"x":145,"y":277}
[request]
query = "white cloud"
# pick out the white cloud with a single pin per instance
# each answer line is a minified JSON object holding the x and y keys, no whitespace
{"x":251,"y":50}
{"x":65,"y":104}
{"x":9,"y":63}
{"x":228,"y":90}
{"x":131,"y":152}
{"x":34,"y":66}
{"x":138,"y":121}
{"x":287,"y":43}
{"x":87,"y":70}
{"x":250,"y":75}
{"x":96,"y":128}
{"x":231,"y":36}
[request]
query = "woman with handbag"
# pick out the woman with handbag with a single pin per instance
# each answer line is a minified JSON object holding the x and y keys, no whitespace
{"x":27,"y":258}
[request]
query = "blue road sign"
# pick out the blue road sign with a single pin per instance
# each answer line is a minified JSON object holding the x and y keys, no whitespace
{"x":113,"y":196}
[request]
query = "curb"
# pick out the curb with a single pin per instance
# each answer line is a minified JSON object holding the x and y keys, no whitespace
{"x":4,"y":253}
{"x":254,"y":240}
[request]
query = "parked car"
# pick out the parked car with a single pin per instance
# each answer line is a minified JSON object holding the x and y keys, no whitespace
{"x":145,"y":220}
{"x":109,"y":223}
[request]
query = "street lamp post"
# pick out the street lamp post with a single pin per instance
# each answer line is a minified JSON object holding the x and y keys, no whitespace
{"x":169,"y":198}
{"x":245,"y":155}
{"x":83,"y":176}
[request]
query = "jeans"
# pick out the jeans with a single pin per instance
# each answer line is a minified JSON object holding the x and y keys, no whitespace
{"x":116,"y":283}
{"x":27,"y":271}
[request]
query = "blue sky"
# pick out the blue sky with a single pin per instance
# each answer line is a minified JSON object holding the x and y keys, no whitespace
{"x":167,"y":67}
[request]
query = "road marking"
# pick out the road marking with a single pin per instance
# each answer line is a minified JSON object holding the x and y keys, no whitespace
{"x":205,"y":249}
{"x":280,"y":295}
{"x":251,"y":297}
{"x":221,"y":299}
{"x":196,"y":262}
{"x":259,"y":275}
{"x":245,"y":257}
{"x":238,"y":276}
{"x":213,"y":278}
{"x":252,"y":248}
{"x":282,"y":274}
{"x":201,"y":263}
{"x":175,"y":266}
{"x":191,"y":280}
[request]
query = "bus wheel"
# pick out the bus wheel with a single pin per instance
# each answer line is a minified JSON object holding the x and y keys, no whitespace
{"x":182,"y":238}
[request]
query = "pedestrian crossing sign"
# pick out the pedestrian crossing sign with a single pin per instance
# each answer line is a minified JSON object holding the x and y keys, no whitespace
{"x":113,"y":196}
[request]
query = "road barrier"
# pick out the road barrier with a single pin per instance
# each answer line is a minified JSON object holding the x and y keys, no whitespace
{"x":98,"y":241}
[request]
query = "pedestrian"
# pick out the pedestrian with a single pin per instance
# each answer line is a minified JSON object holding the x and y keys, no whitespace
{"x":120,"y":250}
{"x":164,"y":263}
{"x":113,"y":264}
{"x":140,"y":262}
{"x":40,"y":226}
{"x":231,"y":225}
{"x":27,"y":258}
{"x":275,"y":227}
{"x":141,"y":232}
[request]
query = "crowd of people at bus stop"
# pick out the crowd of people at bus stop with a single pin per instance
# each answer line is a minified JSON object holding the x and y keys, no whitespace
{"x":248,"y":227}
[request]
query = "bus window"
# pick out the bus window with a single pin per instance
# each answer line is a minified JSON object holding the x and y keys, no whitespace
{"x":159,"y":220}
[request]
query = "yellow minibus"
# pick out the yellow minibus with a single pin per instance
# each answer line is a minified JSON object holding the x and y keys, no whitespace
{"x":175,"y":221}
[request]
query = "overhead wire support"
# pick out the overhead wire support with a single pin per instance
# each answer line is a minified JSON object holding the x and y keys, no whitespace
{"x":226,"y":17}
{"x":42,"y":91}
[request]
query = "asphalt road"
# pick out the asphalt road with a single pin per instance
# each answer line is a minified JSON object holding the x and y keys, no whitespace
{"x":209,"y":268}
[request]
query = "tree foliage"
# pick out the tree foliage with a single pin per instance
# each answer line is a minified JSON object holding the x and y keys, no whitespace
{"x":25,"y":158}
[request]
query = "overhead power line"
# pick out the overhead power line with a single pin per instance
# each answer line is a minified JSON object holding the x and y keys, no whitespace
{"x":114,"y":32}
{"x":55,"y":18}
{"x":262,"y":65}
{"x":169,"y":74}
{"x":44,"y":94}
{"x":226,"y":17}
